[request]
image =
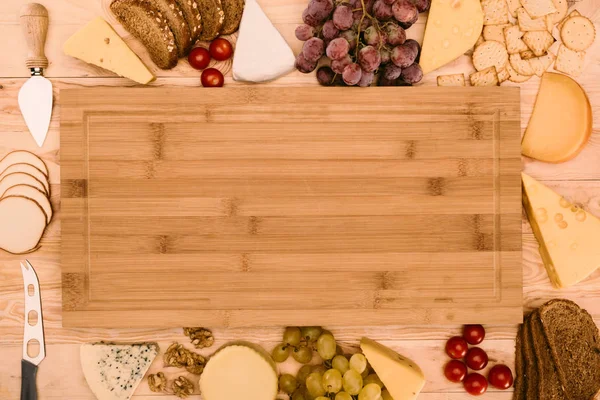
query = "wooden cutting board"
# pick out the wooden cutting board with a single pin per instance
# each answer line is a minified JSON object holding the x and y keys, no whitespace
{"x":306,"y":206}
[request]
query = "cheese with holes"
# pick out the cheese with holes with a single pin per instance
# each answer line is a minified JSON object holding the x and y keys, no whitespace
{"x":453,"y":27}
{"x":98,"y":44}
{"x":403,"y":379}
{"x":561,"y":123}
{"x":114,"y":371}
{"x":569,"y":237}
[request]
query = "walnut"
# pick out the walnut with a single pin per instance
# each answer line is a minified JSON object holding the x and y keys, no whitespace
{"x":200,"y":337}
{"x":182,"y":387}
{"x":178,"y":356}
{"x":158,"y":382}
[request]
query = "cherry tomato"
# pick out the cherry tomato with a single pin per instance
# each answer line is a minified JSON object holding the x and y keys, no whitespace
{"x":475,"y":384}
{"x":474,"y":334}
{"x":476,"y":358}
{"x":199,"y":58}
{"x":456,"y":347}
{"x":500,"y":377}
{"x":220,"y":49}
{"x":212,"y":77}
{"x":455,"y":371}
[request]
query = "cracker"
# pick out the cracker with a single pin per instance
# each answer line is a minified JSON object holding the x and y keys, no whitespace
{"x":526,"y":55}
{"x":479,"y":41}
{"x":539,"y":8}
{"x":451,"y":80}
{"x":514,"y":76}
{"x":539,"y":65}
{"x":513,"y":6}
{"x":573,"y":13}
{"x":522,"y":67}
{"x":514,"y":43}
{"x":490,"y":54}
{"x":502,"y":74}
{"x":578,"y":33}
{"x":562,"y":7}
{"x":538,"y":41}
{"x":554,"y":50}
{"x":549,"y":23}
{"x":568,"y":61}
{"x":526,"y":23}
{"x":495,"y":12}
{"x":487,"y":77}
{"x":494,"y":32}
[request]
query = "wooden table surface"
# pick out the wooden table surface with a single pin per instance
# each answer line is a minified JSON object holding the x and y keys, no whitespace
{"x":60,"y":376}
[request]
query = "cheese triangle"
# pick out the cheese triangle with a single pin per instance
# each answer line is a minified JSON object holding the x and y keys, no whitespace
{"x":112,"y":371}
{"x":261,"y":53}
{"x":569,"y":237}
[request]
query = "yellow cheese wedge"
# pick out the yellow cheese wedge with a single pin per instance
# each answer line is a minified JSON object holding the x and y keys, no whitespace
{"x":453,"y":27}
{"x":561,"y":123}
{"x":402,"y":378}
{"x":568,"y":236}
{"x":98,"y":44}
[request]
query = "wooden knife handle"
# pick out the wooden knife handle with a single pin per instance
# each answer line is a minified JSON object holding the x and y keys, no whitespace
{"x":34,"y":21}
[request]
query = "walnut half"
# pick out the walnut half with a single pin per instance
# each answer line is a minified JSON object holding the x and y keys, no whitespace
{"x":182,"y":387}
{"x":200,"y":337}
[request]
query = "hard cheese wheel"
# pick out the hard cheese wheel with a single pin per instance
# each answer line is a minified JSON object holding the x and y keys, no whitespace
{"x":23,"y":223}
{"x":239,"y":372}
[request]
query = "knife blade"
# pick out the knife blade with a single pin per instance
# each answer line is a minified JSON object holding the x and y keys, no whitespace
{"x":35,"y":96}
{"x":33,"y":331}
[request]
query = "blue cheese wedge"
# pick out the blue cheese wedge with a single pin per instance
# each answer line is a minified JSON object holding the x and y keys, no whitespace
{"x":114,"y":371}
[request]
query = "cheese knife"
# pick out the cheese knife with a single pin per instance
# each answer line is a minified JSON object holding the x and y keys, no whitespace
{"x":35,"y":96}
{"x":33,"y":303}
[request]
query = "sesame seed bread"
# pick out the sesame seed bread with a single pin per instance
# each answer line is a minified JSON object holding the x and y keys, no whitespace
{"x":191,"y":12}
{"x":213,"y":17}
{"x":171,"y":10}
{"x":233,"y":15}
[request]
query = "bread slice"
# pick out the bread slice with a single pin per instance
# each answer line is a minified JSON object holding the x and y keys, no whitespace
{"x":233,"y":10}
{"x":144,"y":21}
{"x":179,"y":26}
{"x":531,"y":369}
{"x":212,"y":18}
{"x":191,"y":12}
{"x":550,"y":387}
{"x":520,"y":367}
{"x":574,"y":341}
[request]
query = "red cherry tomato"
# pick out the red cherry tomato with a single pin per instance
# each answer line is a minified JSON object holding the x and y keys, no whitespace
{"x":212,"y":77}
{"x":455,"y":371}
{"x":476,"y":358}
{"x":199,"y":58}
{"x":456,"y":347}
{"x":220,"y":49}
{"x":475,"y":384}
{"x":474,"y":334}
{"x":500,"y":377}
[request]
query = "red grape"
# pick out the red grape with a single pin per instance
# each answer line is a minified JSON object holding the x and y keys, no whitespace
{"x":352,"y":74}
{"x":330,"y":32}
{"x":475,"y":384}
{"x":500,"y":377}
{"x":343,"y":17}
{"x":313,"y":49}
{"x":304,"y":32}
{"x":412,"y":74}
{"x":366,"y":79}
{"x":325,"y":76}
{"x":400,"y":82}
{"x":391,"y":72}
{"x":212,"y":77}
{"x":338,"y":65}
{"x":309,"y":19}
{"x":385,"y":82}
{"x":403,"y":56}
{"x":476,"y":358}
{"x":220,"y":49}
{"x":404,"y":11}
{"x":474,"y":334}
{"x":373,"y":37}
{"x":369,"y":4}
{"x":395,"y":35}
{"x":338,"y":48}
{"x":415,"y":45}
{"x":303,"y":65}
{"x":199,"y":58}
{"x":369,"y":58}
{"x":320,"y":9}
{"x":389,"y":2}
{"x":455,"y":371}
{"x":385,"y":55}
{"x":382,"y":11}
{"x":423,"y":5}
{"x":358,"y":16}
{"x":350,"y":36}
{"x":456,"y":347}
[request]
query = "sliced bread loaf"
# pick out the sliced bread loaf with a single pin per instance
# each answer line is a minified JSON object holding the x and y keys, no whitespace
{"x":144,"y":21}
{"x":520,"y":367}
{"x":550,"y":387}
{"x":191,"y":12}
{"x":212,"y":18}
{"x":531,"y":369}
{"x":574,"y":341}
{"x":174,"y":14}
{"x":233,"y":10}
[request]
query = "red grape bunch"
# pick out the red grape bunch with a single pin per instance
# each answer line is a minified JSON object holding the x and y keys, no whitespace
{"x":363,"y":42}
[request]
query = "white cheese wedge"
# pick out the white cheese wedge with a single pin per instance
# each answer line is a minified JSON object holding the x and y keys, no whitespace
{"x":112,"y":371}
{"x":569,"y":237}
{"x":402,"y":378}
{"x":239,"y":372}
{"x":261,"y":53}
{"x":98,"y":44}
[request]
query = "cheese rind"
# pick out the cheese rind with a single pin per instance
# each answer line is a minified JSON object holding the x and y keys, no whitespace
{"x":98,"y":44}
{"x":568,"y":235}
{"x":403,"y":379}
{"x":561,"y":123}
{"x":453,"y":27}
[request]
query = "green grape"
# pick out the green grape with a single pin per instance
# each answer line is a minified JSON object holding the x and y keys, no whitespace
{"x":372,"y":391}
{"x":343,"y":396}
{"x":322,"y":398}
{"x":340,"y":363}
{"x":303,"y":373}
{"x":311,"y":333}
{"x":385,"y":395}
{"x":300,"y":394}
{"x":319,"y":368}
{"x":326,"y":346}
{"x":358,"y":362}
{"x":353,"y":382}
{"x":280,"y":353}
{"x":314,"y":385}
{"x":373,"y":378}
{"x":292,"y":335}
{"x":365,"y":373}
{"x":332,"y":381}
{"x":288,"y":383}
{"x":302,"y":354}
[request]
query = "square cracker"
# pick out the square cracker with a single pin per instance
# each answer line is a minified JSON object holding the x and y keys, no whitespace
{"x":539,"y":8}
{"x":526,"y":23}
{"x":526,"y":55}
{"x":513,"y":6}
{"x":538,"y":41}
{"x":502,"y":74}
{"x":514,"y":43}
{"x":570,"y":62}
{"x":494,"y":32}
{"x":451,"y":80}
{"x":495,"y":12}
{"x":539,"y":65}
{"x":562,"y":7}
{"x":487,"y":77}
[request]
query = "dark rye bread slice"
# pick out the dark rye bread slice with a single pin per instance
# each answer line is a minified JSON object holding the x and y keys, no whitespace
{"x":148,"y":25}
{"x":520,"y":367}
{"x":233,"y":15}
{"x":174,"y":14}
{"x":575,"y":345}
{"x":191,"y":12}
{"x":531,"y":371}
{"x":212,"y":18}
{"x":550,"y":387}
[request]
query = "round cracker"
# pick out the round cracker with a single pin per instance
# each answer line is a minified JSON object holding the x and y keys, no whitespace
{"x":578,"y":33}
{"x":490,"y":54}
